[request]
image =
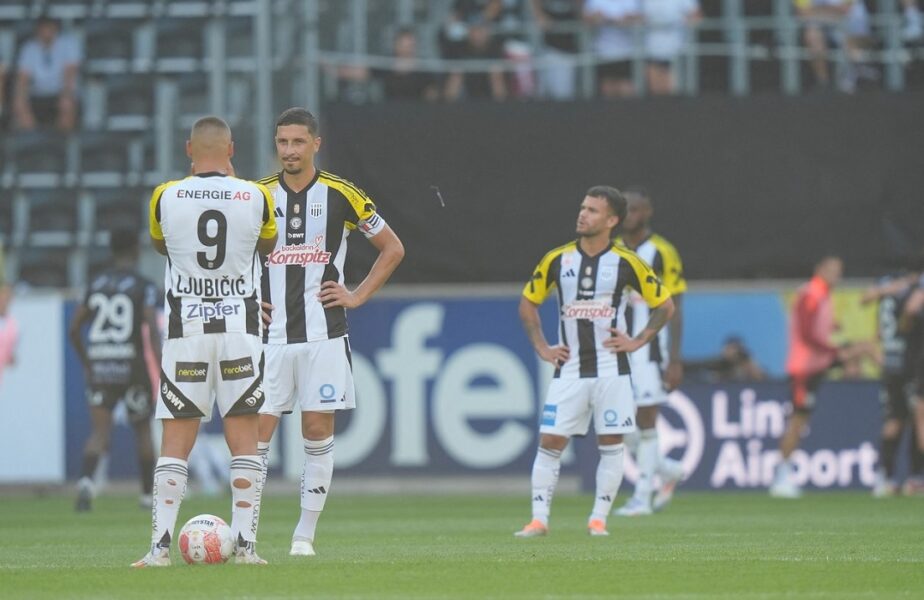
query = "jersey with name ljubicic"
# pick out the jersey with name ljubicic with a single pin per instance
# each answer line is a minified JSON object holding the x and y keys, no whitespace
{"x":211,"y":223}
{"x":313,"y":227}
{"x":591,"y":300}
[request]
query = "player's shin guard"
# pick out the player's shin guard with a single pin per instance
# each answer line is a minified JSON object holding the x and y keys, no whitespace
{"x":609,"y":478}
{"x":170,"y":476}
{"x":646,"y":457}
{"x":316,"y":478}
{"x":246,"y":492}
{"x":544,"y":479}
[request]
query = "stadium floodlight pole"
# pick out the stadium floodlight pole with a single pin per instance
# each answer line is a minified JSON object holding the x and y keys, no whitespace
{"x":263,"y":79}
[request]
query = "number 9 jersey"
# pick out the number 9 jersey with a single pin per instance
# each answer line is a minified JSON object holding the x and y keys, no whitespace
{"x":210,"y":223}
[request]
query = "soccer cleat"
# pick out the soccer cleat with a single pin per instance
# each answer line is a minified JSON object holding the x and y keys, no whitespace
{"x":883,"y":486}
{"x":157,"y":557}
{"x":534,"y":528}
{"x":596,"y":527}
{"x":914,"y":486}
{"x":671,"y":474}
{"x":301,"y":546}
{"x":84,"y":500}
{"x":245,"y":553}
{"x":635,"y":507}
{"x":786,"y":490}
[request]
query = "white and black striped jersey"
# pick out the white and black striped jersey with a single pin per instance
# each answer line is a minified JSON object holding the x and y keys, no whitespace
{"x":313,"y":226}
{"x":665,"y":262}
{"x":211,"y":223}
{"x":591,"y":300}
{"x":116,"y":301}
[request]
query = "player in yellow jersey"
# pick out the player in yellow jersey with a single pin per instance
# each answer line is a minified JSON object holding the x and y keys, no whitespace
{"x":591,"y":359}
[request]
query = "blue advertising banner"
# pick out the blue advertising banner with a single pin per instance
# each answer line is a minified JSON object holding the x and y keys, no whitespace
{"x":452,"y":386}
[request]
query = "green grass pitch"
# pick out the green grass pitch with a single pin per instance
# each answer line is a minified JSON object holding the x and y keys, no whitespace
{"x":706,"y":546}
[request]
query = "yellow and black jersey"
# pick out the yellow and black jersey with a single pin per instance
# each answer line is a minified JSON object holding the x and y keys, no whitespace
{"x":591,"y":300}
{"x":665,"y":262}
{"x":313,"y":227}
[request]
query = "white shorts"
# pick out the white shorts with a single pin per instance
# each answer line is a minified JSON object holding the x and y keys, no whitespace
{"x":317,"y":376}
{"x":647,"y":384}
{"x":197,"y":370}
{"x":570,"y":403}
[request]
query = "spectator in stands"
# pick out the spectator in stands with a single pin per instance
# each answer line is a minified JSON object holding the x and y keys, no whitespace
{"x":9,"y":329}
{"x":667,"y":22}
{"x":405,"y":80}
{"x":913,"y":31}
{"x":487,"y":84}
{"x":556,"y":80}
{"x":734,"y":364}
{"x":614,"y":43}
{"x":841,"y":24}
{"x":46,"y":85}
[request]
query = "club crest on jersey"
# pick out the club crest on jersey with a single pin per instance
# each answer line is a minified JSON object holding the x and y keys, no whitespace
{"x":297,"y":208}
{"x":300,"y":254}
{"x":295,"y":222}
{"x":315,"y":209}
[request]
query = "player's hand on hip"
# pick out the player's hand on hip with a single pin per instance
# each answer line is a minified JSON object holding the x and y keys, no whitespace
{"x":557,"y":355}
{"x":673,"y":375}
{"x":266,"y":311}
{"x":620,"y":342}
{"x":333,"y":294}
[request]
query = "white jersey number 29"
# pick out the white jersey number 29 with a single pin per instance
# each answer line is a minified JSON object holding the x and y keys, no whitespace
{"x":114,"y":318}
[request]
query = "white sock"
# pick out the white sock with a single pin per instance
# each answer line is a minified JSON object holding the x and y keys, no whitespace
{"x":263,"y":453}
{"x":170,"y":476}
{"x":544,"y":479}
{"x":609,"y":478}
{"x":316,"y":478}
{"x":631,"y":440}
{"x":246,"y":490}
{"x":646,"y":457}
{"x":783,"y":471}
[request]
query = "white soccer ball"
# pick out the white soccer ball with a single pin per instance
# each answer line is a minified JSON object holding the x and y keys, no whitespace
{"x":206,"y":539}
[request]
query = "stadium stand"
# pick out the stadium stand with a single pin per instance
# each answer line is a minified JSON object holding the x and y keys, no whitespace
{"x":151,"y":67}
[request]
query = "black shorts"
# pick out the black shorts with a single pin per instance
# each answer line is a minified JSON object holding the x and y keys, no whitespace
{"x":45,"y":109}
{"x":138,"y":399}
{"x":804,"y":389}
{"x":895,"y":397}
{"x":617,"y":69}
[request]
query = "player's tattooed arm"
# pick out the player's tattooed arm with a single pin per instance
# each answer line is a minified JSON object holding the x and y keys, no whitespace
{"x":532,"y":323}
{"x":620,"y":342}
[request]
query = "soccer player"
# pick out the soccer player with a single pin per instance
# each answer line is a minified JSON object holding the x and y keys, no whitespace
{"x":898,"y":348}
{"x":811,"y":355}
{"x":592,"y":357}
{"x":308,"y":362}
{"x":663,"y":352}
{"x":118,"y":305}
{"x":912,"y":324}
{"x":210,"y":226}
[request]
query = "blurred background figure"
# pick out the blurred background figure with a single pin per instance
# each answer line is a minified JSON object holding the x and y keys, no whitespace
{"x":478,"y":85}
{"x":844,"y":26}
{"x":404,"y":81}
{"x":47,"y":79}
{"x":668,"y":23}
{"x":734,"y":364}
{"x":9,"y":329}
{"x":912,"y":324}
{"x":913,"y":31}
{"x":557,"y":80}
{"x":614,"y":43}
{"x":811,"y":355}
{"x":900,"y":350}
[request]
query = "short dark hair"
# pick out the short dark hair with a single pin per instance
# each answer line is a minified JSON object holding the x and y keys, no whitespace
{"x":47,"y":19}
{"x":613,"y":197}
{"x":298,"y":116}
{"x":405,"y":30}
{"x":123,"y":240}
{"x":638,"y":190}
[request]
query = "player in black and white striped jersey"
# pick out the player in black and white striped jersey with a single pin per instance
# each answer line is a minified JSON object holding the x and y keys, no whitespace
{"x":211,"y":227}
{"x":308,"y":362}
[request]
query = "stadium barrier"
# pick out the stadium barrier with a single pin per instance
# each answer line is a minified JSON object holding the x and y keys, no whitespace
{"x":448,"y":385}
